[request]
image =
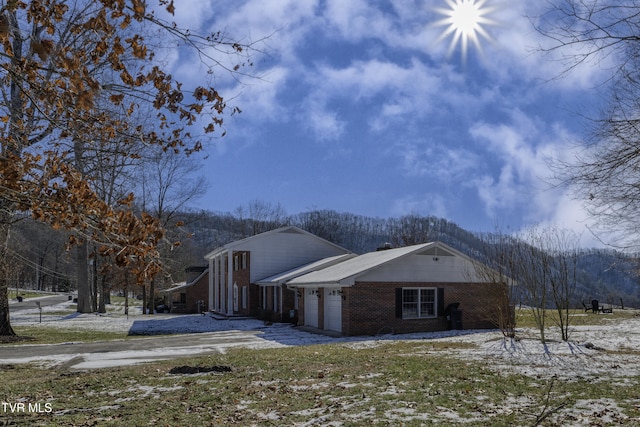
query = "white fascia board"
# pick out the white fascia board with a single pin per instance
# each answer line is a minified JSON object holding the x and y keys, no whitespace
{"x":320,"y":285}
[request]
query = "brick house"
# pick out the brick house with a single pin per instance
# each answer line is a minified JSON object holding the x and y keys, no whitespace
{"x":237,"y":272}
{"x":427,"y":287}
{"x":191,"y":295}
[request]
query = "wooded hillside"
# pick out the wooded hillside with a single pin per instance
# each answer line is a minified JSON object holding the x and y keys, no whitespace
{"x":43,"y":262}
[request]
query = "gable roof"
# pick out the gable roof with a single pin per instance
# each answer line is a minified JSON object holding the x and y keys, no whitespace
{"x":176,"y":287}
{"x":280,"y":278}
{"x":345,"y":273}
{"x":289,"y":229}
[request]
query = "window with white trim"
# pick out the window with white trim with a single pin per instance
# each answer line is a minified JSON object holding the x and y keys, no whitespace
{"x":244,"y":260}
{"x":418,"y":303}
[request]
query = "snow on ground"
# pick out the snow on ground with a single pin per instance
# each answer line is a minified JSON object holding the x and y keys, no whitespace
{"x":606,"y":351}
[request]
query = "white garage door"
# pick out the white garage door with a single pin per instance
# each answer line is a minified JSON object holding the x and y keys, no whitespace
{"x":333,"y":310}
{"x":311,"y":307}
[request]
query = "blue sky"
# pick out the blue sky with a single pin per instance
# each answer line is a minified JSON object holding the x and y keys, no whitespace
{"x":359,"y":107}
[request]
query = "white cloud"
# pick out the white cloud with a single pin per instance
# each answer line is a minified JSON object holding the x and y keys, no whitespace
{"x":285,"y":23}
{"x":258,"y":97}
{"x":386,"y":90}
{"x":356,"y":20}
{"x":326,"y":125}
{"x":518,"y":51}
{"x":192,"y":14}
{"x":523,"y":179}
{"x":439,"y":162}
{"x":568,"y":214}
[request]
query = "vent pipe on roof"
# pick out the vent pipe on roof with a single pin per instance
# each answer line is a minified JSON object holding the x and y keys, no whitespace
{"x":384,"y":247}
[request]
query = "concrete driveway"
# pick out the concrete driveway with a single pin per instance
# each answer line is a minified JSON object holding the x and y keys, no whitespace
{"x":103,"y":354}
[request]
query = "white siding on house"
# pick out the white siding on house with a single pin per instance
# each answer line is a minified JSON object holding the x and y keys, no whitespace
{"x":285,"y":250}
{"x":270,"y":253}
{"x":423,"y":268}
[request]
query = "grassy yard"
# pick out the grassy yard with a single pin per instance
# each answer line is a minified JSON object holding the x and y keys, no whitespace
{"x":524,"y":317}
{"x":399,"y":383}
{"x":411,"y":383}
{"x":48,"y":335}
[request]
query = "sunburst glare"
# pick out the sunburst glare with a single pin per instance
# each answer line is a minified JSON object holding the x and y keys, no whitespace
{"x":465,"y":21}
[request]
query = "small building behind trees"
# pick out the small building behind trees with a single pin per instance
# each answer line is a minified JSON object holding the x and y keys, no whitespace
{"x":191,"y":295}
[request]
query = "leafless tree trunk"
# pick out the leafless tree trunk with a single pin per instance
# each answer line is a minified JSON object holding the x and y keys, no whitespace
{"x":83,"y":284}
{"x":492,"y":268}
{"x":545,"y":267}
{"x":562,"y":246}
{"x":530,"y":267}
{"x":5,"y":324}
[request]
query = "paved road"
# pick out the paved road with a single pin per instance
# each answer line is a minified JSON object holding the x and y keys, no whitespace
{"x":30,"y":303}
{"x":131,"y":351}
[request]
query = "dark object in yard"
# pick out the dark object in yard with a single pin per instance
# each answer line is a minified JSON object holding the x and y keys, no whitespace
{"x":163,"y":308}
{"x":596,"y":308}
{"x":19,"y":298}
{"x":190,"y":370}
{"x":591,"y":346}
{"x":454,"y":316}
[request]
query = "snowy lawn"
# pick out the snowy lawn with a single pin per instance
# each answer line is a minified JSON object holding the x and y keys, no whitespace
{"x":474,"y":378}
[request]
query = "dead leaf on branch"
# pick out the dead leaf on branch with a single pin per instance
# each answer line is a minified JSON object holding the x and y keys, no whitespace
{"x":62,"y":103}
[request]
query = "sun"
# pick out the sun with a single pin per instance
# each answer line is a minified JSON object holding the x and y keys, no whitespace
{"x":465,"y":22}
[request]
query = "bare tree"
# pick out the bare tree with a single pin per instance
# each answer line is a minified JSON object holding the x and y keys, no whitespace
{"x":530,"y":266}
{"x":544,"y":263}
{"x":259,"y":216}
{"x":493,"y":268}
{"x":168,"y":183}
{"x":411,"y":229}
{"x":604,"y":173}
{"x":562,"y":245}
{"x":60,"y":59}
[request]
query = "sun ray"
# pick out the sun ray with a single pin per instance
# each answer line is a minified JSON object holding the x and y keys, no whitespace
{"x":465,"y":22}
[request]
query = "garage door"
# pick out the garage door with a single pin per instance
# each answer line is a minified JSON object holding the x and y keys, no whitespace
{"x":311,"y":307}
{"x":333,"y":310}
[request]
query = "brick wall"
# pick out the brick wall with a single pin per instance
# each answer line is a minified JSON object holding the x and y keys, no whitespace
{"x":287,"y":303}
{"x":197,"y":292}
{"x":241,"y":277}
{"x":370,"y":308}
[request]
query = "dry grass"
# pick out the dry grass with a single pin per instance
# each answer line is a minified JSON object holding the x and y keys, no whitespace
{"x":398,"y":383}
{"x":409,"y":383}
